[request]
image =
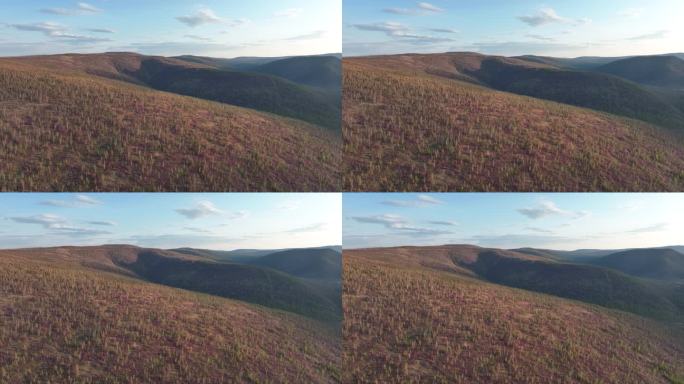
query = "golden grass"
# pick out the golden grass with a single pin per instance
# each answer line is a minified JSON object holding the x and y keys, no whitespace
{"x":63,"y":131}
{"x":405,"y":130}
{"x":412,"y":324}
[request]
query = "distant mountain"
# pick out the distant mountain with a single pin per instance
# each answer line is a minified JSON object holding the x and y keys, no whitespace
{"x":317,"y":71}
{"x":656,"y":263}
{"x":322,"y":263}
{"x":242,"y":255}
{"x":659,"y":71}
{"x":585,"y":89}
{"x":578,"y":63}
{"x":580,"y":282}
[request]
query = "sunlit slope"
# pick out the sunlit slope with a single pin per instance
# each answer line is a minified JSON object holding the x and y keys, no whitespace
{"x":409,"y":323}
{"x":408,"y":130}
{"x":70,"y":131}
{"x":62,"y":323}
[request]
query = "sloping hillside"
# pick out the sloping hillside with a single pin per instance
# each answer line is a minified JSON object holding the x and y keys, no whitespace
{"x":659,"y":264}
{"x":408,"y":129}
{"x":63,"y":323}
{"x":65,"y":130}
{"x":659,"y":71}
{"x":253,"y":284}
{"x":199,"y":78}
{"x":406,"y":322}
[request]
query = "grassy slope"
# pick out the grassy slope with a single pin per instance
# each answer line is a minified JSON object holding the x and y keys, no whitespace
{"x":60,"y":323}
{"x":68,"y":131}
{"x":406,"y":130}
{"x":409,"y":323}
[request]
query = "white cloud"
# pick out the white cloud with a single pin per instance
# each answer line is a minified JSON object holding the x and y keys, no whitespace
{"x":419,"y":201}
{"x":103,"y":223}
{"x":202,"y":209}
{"x":398,"y":224}
{"x":76,"y":202}
{"x":650,"y":36}
{"x":430,"y":8}
{"x":203,"y":16}
{"x":549,"y":208}
{"x":422,"y":8}
{"x":318,"y":227}
{"x":85,"y":7}
{"x":57,"y":31}
{"x":544,"y":16}
{"x":649,"y":229}
{"x":46,"y":220}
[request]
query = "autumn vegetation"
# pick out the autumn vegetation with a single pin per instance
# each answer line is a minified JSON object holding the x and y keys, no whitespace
{"x":434,"y":123}
{"x":80,"y":315}
{"x":87,"y":123}
{"x":423,"y":314}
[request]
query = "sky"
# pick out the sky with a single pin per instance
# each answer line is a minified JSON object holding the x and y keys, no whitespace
{"x":558,"y":28}
{"x":218,"y":28}
{"x":158,"y":220}
{"x":550,"y":221}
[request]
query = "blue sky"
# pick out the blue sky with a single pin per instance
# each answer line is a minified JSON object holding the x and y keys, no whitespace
{"x":553,"y":221}
{"x":211,"y":221}
{"x":504,"y":27}
{"x":218,"y":28}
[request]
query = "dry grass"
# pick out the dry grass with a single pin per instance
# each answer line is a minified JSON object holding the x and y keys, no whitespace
{"x":60,"y":323}
{"x":64,"y":131}
{"x":405,"y":130}
{"x":411,"y":324}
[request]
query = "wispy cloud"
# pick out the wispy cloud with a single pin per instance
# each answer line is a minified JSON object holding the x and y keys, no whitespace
{"x":198,"y":38}
{"x":650,"y":36}
{"x":58,"y":225}
{"x":540,"y":37}
{"x":309,"y":228}
{"x":81,"y":9}
{"x":101,"y":30}
{"x":102,"y":223}
{"x":399,"y":224}
{"x":549,"y":16}
{"x":443,"y":223}
{"x":308,"y":36}
{"x":75,"y":202}
{"x":201,"y":209}
{"x":419,"y":201}
{"x":422,"y":8}
{"x":549,"y":208}
{"x":649,"y":229}
{"x":201,"y":17}
{"x":631,"y":13}
{"x":57,"y":31}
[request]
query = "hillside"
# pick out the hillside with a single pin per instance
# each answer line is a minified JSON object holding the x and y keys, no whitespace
{"x":408,"y":322}
{"x":423,"y":125}
{"x":201,"y":79}
{"x":64,"y":322}
{"x":659,"y":71}
{"x":65,"y":130}
{"x":659,"y":264}
{"x":253,"y":284}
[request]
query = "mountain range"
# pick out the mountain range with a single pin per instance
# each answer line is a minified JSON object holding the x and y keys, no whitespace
{"x":157,"y":315}
{"x":472,"y":314}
